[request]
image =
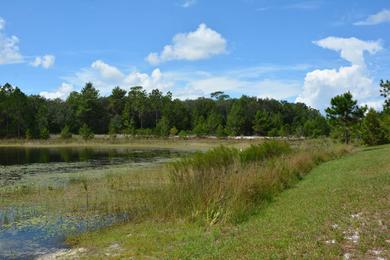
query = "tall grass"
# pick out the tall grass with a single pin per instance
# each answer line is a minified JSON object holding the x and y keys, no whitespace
{"x":227,"y":184}
{"x":221,"y":185}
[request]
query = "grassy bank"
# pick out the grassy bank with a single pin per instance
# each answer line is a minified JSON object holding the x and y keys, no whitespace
{"x":340,"y":209}
{"x":224,"y":184}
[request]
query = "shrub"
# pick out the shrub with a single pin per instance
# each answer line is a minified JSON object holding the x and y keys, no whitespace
{"x":85,"y":132}
{"x":372,"y":131}
{"x":65,"y":133}
{"x":183,"y":134}
{"x":44,"y":133}
{"x":173,"y":131}
{"x":220,"y":132}
{"x":162,"y":127}
{"x":28,"y":134}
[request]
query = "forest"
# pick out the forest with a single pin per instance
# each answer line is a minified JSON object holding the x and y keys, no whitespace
{"x":142,"y":113}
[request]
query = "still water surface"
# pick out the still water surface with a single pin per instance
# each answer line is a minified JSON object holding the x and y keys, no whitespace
{"x":17,"y":163}
{"x":24,"y":232}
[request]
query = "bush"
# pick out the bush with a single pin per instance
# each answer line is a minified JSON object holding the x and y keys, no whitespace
{"x":372,"y":131}
{"x":44,"y":133}
{"x":144,"y":132}
{"x":28,"y":134}
{"x":65,"y":133}
{"x":86,"y":133}
{"x":173,"y":131}
{"x":220,"y":132}
{"x":183,"y":134}
{"x":162,"y":127}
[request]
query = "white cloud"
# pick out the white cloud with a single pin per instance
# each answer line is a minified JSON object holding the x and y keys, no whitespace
{"x":380,"y":17}
{"x":106,"y":70}
{"x":262,"y":88}
{"x":105,"y":77}
{"x":61,"y":92}
{"x":185,"y":84}
{"x":321,"y":85}
{"x":46,"y":61}
{"x":351,"y":49}
{"x":199,"y":44}
{"x":9,"y":48}
{"x":188,"y":3}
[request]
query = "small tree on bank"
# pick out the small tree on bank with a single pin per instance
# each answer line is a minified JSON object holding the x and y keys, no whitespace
{"x":372,"y":131}
{"x":86,"y":132}
{"x":344,"y":113}
{"x":65,"y":132}
{"x":385,"y":92}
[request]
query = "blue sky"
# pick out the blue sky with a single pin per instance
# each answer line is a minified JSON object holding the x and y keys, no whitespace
{"x":306,"y":51}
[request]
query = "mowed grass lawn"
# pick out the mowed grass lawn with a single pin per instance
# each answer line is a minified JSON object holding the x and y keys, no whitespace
{"x":341,"y":209}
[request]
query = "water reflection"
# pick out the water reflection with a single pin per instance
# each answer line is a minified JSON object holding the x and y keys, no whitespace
{"x":16,"y":162}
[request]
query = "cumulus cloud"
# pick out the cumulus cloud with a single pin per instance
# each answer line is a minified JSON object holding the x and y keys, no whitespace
{"x":380,"y":17}
{"x":199,"y":44}
{"x":105,"y":77}
{"x":106,"y":70}
{"x":350,"y":49}
{"x":61,"y":92}
{"x":46,"y":61}
{"x":262,"y":88}
{"x":188,"y":3}
{"x":184,"y":84}
{"x":321,"y":85}
{"x":9,"y":48}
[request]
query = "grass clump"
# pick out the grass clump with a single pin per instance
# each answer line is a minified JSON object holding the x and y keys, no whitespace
{"x":228,"y":184}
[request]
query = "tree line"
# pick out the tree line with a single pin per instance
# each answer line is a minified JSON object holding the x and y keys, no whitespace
{"x":138,"y":112}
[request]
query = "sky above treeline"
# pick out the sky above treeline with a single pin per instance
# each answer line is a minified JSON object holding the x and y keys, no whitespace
{"x":294,"y":50}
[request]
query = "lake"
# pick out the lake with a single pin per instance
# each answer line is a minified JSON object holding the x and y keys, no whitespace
{"x":17,"y":163}
{"x":27,"y":232}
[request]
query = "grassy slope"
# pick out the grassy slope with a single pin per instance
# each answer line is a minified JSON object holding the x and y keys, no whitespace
{"x":342,"y":200}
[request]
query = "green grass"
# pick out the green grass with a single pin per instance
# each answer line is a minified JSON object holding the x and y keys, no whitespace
{"x":311,"y":220}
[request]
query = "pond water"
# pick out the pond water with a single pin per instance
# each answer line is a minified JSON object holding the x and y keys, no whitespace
{"x":27,"y":232}
{"x":17,"y":163}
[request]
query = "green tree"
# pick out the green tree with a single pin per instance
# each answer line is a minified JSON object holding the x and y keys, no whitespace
{"x":345,"y":114}
{"x":86,"y":132}
{"x":173,"y":131}
{"x":44,"y":133}
{"x":372,"y":131}
{"x":213,"y":121}
{"x":117,"y":101}
{"x":385,"y":92}
{"x":200,"y":128}
{"x":115,"y":124}
{"x":162,"y":128}
{"x":220,"y":131}
{"x":156,"y":101}
{"x":261,"y":123}
{"x":89,"y":111}
{"x":65,"y":132}
{"x":236,"y":120}
{"x":138,"y":99}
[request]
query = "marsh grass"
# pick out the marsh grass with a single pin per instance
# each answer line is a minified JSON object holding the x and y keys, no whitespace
{"x":229,"y":184}
{"x":224,"y":184}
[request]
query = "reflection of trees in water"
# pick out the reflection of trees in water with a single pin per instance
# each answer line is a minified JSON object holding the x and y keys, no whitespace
{"x":44,"y":156}
{"x":85,"y":154}
{"x":66,"y":155}
{"x":27,"y":155}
